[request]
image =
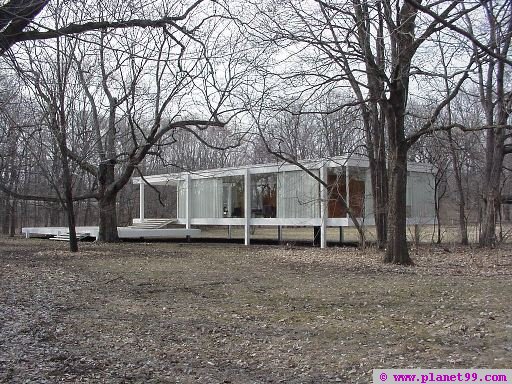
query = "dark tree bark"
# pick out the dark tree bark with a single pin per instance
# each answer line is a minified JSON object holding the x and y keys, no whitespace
{"x":438,"y":216}
{"x":386,"y":45}
{"x":457,"y":166}
{"x":397,"y":251}
{"x":12,"y":218}
{"x":497,"y":111}
{"x":4,"y":212}
{"x":107,"y":204}
{"x":395,"y":106}
{"x":463,"y":224}
{"x":113,"y":175}
{"x":108,"y":220}
{"x":492,"y":192}
{"x":378,"y":166}
{"x":379,"y":177}
{"x":15,"y":16}
{"x":68,"y":194}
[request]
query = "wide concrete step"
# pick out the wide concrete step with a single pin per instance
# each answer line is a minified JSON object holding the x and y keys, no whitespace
{"x":153,"y":224}
{"x":65,"y":236}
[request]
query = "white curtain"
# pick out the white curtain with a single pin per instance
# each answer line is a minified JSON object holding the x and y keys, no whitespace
{"x":182,"y":196}
{"x":206,"y":198}
{"x":298,"y":195}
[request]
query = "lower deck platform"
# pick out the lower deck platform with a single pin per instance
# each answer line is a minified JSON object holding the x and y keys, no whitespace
{"x":123,"y":232}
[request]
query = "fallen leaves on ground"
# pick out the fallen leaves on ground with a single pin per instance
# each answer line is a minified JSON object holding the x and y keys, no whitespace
{"x":170,"y":312}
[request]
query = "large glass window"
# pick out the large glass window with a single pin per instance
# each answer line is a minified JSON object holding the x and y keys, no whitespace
{"x":206,"y":195}
{"x":233,"y":196}
{"x":356,"y":190}
{"x":298,"y":195}
{"x":337,"y":192}
{"x":264,"y":195}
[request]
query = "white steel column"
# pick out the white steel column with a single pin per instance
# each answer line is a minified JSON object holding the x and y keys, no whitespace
{"x":323,"y":207}
{"x":247,"y":204}
{"x":347,"y":194}
{"x":230,"y":200}
{"x":187,"y":201}
{"x":141,"y":201}
{"x":230,"y":207}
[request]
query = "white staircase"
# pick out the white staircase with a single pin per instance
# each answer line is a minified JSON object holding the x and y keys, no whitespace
{"x":152,"y":224}
{"x":64,"y":236}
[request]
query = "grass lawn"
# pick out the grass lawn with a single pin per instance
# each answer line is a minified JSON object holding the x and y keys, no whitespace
{"x":214,"y":313}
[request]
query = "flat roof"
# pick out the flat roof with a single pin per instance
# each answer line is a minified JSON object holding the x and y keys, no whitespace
{"x":279,"y":166}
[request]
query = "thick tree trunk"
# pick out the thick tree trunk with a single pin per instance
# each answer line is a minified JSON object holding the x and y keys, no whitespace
{"x":4,"y":212}
{"x":495,"y":153}
{"x":497,"y":110}
{"x":492,"y":193}
{"x":463,"y":225}
{"x":376,"y":145}
{"x":12,"y":218}
{"x":108,"y":220}
{"x":380,"y":180}
{"x":488,"y":225}
{"x":107,"y":204}
{"x":68,"y":195}
{"x":397,"y":251}
{"x":73,"y":242}
{"x":380,"y":197}
{"x":437,"y":213}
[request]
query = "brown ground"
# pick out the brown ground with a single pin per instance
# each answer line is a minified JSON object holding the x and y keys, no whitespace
{"x":167,"y":312}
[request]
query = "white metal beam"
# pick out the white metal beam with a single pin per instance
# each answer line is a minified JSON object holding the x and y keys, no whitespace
{"x":188,"y":206}
{"x":347,"y":192}
{"x":247,"y":204}
{"x":332,"y":162}
{"x":323,"y":207}
{"x":141,"y":202}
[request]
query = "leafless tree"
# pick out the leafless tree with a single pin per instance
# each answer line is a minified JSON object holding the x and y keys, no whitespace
{"x":177,"y":63}
{"x":134,"y":87}
{"x":496,"y":100}
{"x":376,"y":49}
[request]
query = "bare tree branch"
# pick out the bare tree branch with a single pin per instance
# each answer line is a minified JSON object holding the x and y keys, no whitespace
{"x":52,"y":199}
{"x":14,"y":32}
{"x":459,"y":30}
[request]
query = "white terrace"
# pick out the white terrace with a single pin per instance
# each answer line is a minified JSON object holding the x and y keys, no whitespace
{"x":282,"y":194}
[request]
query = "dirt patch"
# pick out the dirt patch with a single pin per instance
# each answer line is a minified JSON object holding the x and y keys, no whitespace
{"x":168,"y":312}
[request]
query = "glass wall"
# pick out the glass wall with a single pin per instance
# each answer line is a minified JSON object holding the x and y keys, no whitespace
{"x":337,"y":192}
{"x":182,"y":195}
{"x":295,"y":194}
{"x":213,"y":197}
{"x":264,"y":195}
{"x":356,"y":190}
{"x":206,"y":198}
{"x":233,"y":196}
{"x":298,"y":195}
{"x":420,"y":195}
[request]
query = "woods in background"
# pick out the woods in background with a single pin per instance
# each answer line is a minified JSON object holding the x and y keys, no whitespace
{"x":94,"y":92}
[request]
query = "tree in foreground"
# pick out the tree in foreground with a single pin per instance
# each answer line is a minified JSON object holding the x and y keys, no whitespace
{"x":133,"y":86}
{"x":376,"y":49}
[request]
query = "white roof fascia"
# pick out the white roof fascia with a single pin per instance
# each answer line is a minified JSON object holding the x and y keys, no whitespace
{"x":333,"y":162}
